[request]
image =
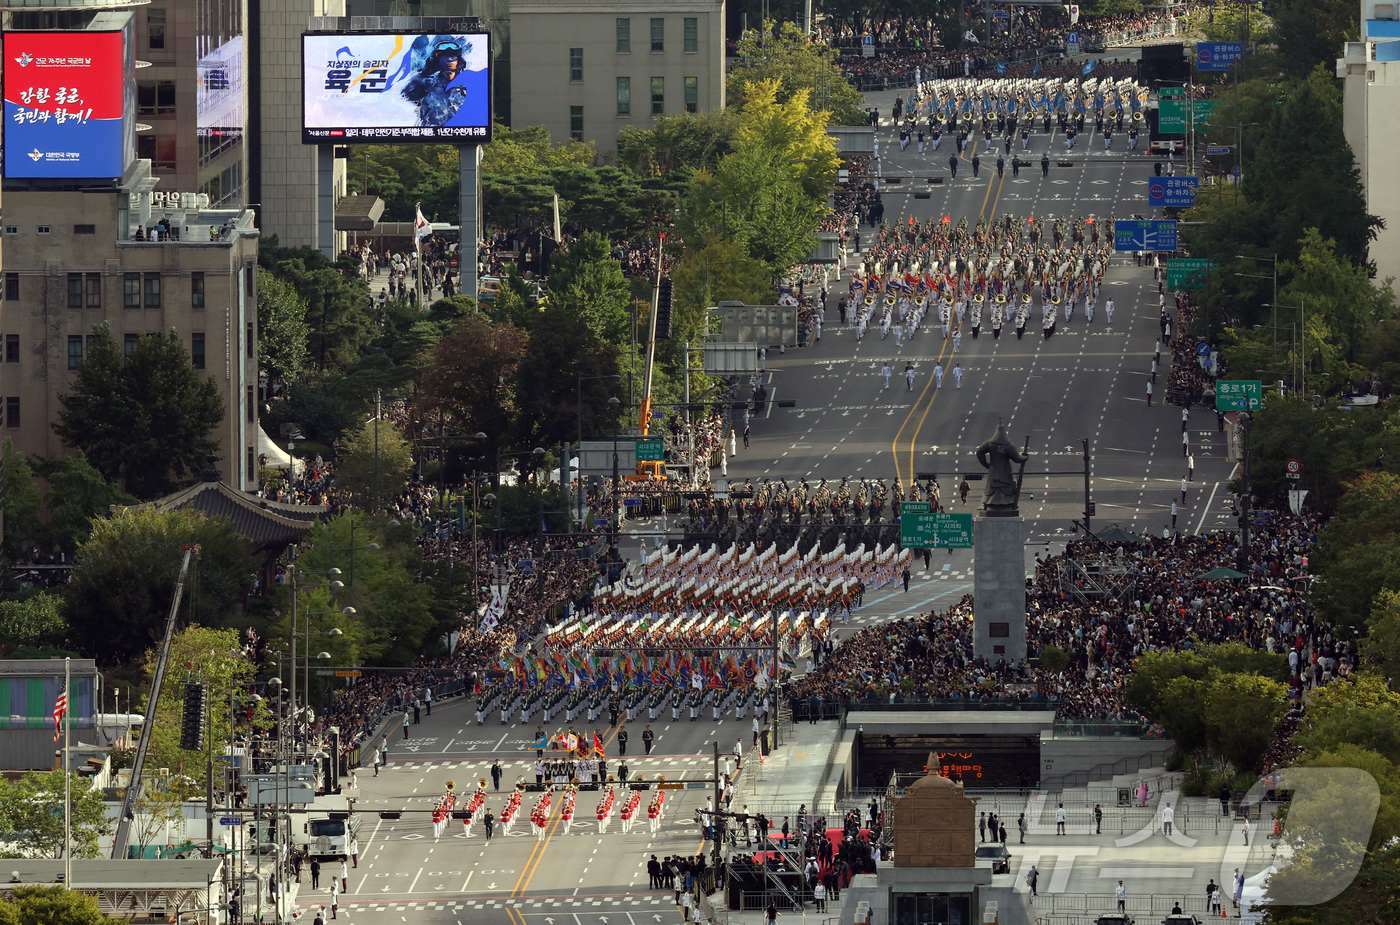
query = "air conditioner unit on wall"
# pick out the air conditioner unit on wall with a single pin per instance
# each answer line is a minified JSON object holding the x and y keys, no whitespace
{"x":1383,"y":11}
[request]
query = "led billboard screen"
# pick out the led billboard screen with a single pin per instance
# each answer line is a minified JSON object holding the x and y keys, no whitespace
{"x":372,"y":88}
{"x":70,"y":104}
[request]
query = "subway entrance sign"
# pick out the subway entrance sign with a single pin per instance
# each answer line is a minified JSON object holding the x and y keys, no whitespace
{"x":935,"y":531}
{"x":650,"y":449}
{"x":1239,"y":395}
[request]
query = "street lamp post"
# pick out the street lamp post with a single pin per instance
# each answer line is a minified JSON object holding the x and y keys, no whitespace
{"x":617,"y":480}
{"x":579,"y":394}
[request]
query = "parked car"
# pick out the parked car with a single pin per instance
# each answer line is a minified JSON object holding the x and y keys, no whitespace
{"x":1114,"y":918}
{"x":996,"y":857}
{"x":1182,"y":918}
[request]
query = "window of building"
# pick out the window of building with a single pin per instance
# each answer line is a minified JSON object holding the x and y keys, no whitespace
{"x":624,"y":96}
{"x":576,"y":123}
{"x":250,"y":402}
{"x":624,"y":36}
{"x":252,"y":464}
{"x":11,"y":348}
{"x":85,"y":229}
{"x":575,"y":65}
{"x":197,"y":350}
{"x":196,"y":290}
{"x":692,"y":94}
{"x":155,"y":28}
{"x":11,"y":229}
{"x":155,"y":97}
{"x":75,"y":290}
{"x":248,"y":336}
{"x":75,"y":351}
{"x":658,"y":96}
{"x":129,"y":343}
{"x":11,"y":287}
{"x":153,"y":290}
{"x":658,"y":34}
{"x":12,"y":413}
{"x":158,"y":149}
{"x":44,"y":229}
{"x":131,"y":290}
{"x":692,"y":34}
{"x":94,"y":290}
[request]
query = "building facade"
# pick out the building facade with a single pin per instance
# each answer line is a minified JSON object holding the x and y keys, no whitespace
{"x":1370,"y":75}
{"x":75,"y":258}
{"x":586,"y":70}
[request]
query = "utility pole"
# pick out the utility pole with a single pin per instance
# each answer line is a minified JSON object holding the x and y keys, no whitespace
{"x":651,"y":339}
{"x":1245,"y":514}
{"x":378,"y":409}
{"x":716,"y":821}
{"x":1088,"y":504}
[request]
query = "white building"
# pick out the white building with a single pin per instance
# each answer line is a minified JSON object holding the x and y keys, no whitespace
{"x":1370,"y":71}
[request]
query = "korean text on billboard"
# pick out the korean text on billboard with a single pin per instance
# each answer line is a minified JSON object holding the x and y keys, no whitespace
{"x":370,"y":88}
{"x":67,"y":108}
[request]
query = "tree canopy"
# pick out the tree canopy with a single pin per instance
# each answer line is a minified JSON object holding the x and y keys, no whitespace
{"x":145,"y":420}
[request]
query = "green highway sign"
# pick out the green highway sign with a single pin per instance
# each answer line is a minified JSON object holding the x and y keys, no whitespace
{"x":1239,"y":395}
{"x":1171,"y":115}
{"x":1168,"y":92}
{"x":913,"y":507}
{"x":650,"y":449}
{"x":935,"y":531}
{"x":1188,"y":272}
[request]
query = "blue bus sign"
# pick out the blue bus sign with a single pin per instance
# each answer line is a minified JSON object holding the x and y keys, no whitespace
{"x":1172,"y":192}
{"x":1217,"y":56}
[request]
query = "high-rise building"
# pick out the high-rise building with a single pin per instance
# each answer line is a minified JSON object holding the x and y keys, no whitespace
{"x":95,"y":234}
{"x":594,"y":68}
{"x":1370,"y":75}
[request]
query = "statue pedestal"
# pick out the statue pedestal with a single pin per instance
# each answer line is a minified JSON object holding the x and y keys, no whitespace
{"x":999,"y":588}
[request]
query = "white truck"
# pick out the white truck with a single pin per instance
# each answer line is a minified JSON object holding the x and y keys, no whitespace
{"x":324,"y":828}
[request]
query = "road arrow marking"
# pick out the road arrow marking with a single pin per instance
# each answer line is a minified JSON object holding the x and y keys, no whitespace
{"x":549,"y":919}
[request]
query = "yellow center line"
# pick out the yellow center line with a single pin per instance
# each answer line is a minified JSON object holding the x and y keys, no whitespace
{"x":532,"y":863}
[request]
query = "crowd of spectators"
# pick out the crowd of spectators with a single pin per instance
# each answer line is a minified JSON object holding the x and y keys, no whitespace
{"x":1187,"y":381}
{"x":1164,"y":605}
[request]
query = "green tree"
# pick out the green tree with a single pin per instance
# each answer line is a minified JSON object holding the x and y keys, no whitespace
{"x":19,"y":501}
{"x":405,"y":176}
{"x":50,"y":905}
{"x":694,"y":141}
{"x":1361,"y":711}
{"x":782,"y":54}
{"x":1309,"y":33}
{"x":33,"y":621}
{"x":1303,"y":173}
{"x":77,"y":494}
{"x":31,"y":815}
{"x":282,"y":328}
{"x":468,"y":381}
{"x":124,"y":578}
{"x":216,"y":657}
{"x":403,"y":605}
{"x":1380,"y":648}
{"x":336,"y":297}
{"x":1183,"y":713}
{"x":529,"y":151}
{"x":1381,"y":354}
{"x":715,"y":272}
{"x":563,"y":347}
{"x":145,"y":420}
{"x":1243,"y":712}
{"x":388,"y":454}
{"x":587,"y":283}
{"x":1358,"y":552}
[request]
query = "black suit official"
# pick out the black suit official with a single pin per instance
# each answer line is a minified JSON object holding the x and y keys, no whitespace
{"x":622,"y":741}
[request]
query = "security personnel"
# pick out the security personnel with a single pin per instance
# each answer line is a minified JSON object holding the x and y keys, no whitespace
{"x":1045,"y":165}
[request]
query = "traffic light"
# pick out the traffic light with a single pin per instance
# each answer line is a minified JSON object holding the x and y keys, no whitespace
{"x":192,"y":723}
{"x":666,"y":294}
{"x":1092,"y":509}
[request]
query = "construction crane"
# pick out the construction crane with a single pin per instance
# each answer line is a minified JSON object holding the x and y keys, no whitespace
{"x":133,"y":788}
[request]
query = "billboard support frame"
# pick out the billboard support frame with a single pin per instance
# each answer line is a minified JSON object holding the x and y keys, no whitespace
{"x":468,"y":218}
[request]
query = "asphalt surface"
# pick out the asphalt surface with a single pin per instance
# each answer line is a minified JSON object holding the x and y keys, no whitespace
{"x":1087,"y":381}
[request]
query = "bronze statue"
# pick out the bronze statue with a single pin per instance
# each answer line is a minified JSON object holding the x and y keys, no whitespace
{"x":1002,"y":490}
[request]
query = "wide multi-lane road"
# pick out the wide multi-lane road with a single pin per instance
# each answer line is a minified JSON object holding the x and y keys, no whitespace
{"x":1088,"y":381}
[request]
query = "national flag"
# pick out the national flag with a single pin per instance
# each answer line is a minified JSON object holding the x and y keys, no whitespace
{"x":421,"y":229}
{"x":60,"y":707}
